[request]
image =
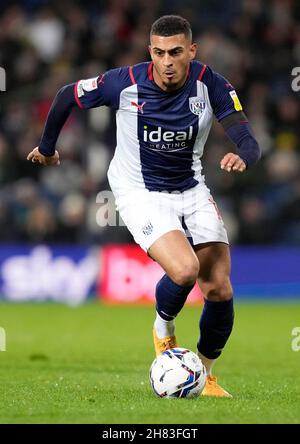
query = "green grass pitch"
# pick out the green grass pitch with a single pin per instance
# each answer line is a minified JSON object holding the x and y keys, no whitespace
{"x":90,"y":364}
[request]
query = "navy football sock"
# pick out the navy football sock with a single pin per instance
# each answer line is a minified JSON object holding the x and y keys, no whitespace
{"x":170,"y":297}
{"x":216,"y":324}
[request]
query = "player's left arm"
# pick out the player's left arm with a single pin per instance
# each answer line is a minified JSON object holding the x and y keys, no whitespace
{"x":239,"y":131}
{"x":229,"y":112}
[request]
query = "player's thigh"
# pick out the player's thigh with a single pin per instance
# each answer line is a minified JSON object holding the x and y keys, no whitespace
{"x":176,"y":256}
{"x":202,"y":217}
{"x":215,"y":266}
{"x":146,"y":217}
{"x":156,"y":227}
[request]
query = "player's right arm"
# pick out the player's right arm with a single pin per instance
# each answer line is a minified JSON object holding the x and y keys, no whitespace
{"x":90,"y":93}
{"x":60,"y":110}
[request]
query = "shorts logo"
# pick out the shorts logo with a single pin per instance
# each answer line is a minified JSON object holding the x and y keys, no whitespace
{"x":147,"y":229}
{"x":197,"y":106}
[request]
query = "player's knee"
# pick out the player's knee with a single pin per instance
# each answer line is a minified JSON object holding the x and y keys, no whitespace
{"x":221,"y":290}
{"x":186,"y":273}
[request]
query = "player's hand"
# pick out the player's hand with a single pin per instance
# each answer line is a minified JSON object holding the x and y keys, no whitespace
{"x":36,"y":157}
{"x":233,"y":162}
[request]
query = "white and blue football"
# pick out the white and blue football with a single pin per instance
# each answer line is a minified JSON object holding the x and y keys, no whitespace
{"x":177,"y":373}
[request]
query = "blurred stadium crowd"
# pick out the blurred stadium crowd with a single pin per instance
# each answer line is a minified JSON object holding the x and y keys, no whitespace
{"x":47,"y":44}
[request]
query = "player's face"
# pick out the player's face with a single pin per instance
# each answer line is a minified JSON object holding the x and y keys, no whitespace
{"x":171,"y":57}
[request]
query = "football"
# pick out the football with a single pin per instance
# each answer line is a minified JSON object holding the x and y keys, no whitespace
{"x":177,"y":373}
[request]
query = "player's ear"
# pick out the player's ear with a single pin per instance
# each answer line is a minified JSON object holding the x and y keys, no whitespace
{"x":193,"y":50}
{"x":150,"y":50}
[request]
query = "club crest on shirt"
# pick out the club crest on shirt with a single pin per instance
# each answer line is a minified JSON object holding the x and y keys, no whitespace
{"x":197,"y":105}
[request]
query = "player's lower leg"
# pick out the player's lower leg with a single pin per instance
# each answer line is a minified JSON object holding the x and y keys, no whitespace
{"x":164,"y":328}
{"x":208,"y":363}
{"x":215,"y":328}
{"x":170,"y":298}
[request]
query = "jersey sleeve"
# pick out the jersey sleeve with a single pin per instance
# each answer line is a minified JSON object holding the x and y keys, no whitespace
{"x":222,"y":95}
{"x":102,"y":90}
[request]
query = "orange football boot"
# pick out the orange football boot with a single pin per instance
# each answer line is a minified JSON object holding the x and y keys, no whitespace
{"x":212,"y":388}
{"x":163,"y":344}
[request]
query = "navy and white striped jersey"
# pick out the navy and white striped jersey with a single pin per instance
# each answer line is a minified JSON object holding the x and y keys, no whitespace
{"x":160,"y":135}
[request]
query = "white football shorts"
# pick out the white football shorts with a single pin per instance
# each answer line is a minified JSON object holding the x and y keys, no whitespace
{"x":150,"y":214}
